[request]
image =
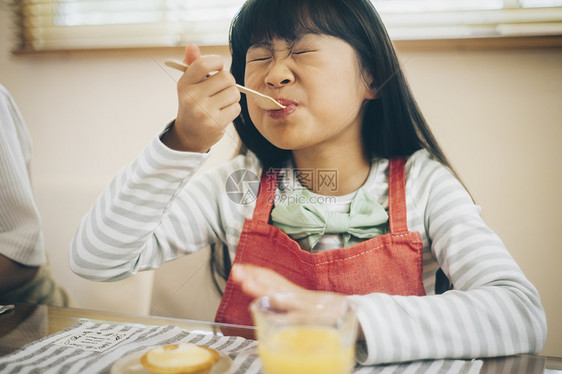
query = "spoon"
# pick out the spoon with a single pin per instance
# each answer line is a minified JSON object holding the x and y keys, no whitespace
{"x":263,"y":101}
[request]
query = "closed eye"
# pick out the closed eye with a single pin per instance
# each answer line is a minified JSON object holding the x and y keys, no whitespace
{"x":259,"y":59}
{"x":301,"y":52}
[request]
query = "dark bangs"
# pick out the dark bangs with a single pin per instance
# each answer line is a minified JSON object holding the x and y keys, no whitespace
{"x":264,"y":20}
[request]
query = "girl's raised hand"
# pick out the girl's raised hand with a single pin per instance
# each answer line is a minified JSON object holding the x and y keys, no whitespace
{"x":206,"y":103}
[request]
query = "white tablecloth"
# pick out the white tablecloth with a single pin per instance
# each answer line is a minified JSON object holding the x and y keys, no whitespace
{"x":93,"y":347}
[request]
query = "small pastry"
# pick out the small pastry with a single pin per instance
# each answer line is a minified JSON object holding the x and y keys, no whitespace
{"x":183,"y":358}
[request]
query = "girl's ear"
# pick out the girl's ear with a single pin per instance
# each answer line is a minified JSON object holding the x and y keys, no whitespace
{"x":372,"y":93}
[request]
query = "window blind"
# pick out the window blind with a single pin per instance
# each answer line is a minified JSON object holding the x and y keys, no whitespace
{"x":434,"y":19}
{"x":92,"y":24}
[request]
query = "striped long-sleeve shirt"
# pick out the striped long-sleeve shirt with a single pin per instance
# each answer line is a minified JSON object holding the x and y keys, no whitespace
{"x":154,"y":211}
{"x":21,"y":238}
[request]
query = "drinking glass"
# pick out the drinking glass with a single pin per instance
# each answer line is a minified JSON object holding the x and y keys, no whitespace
{"x":297,"y":335}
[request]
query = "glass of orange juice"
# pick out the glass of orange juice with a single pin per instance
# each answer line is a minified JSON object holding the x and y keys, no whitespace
{"x":305,"y":336}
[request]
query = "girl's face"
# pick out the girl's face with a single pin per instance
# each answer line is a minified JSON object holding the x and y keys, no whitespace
{"x":319,"y":80}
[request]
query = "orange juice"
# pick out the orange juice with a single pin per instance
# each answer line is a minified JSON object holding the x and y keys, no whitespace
{"x":306,"y":349}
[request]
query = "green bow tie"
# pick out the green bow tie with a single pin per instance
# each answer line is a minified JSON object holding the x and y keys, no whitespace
{"x":366,"y":218}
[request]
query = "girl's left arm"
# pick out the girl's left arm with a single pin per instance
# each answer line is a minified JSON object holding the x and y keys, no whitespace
{"x":493,"y":309}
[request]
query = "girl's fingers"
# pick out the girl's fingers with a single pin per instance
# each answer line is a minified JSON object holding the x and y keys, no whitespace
{"x":211,"y":100}
{"x":225,"y":98}
{"x":288,"y":301}
{"x":287,"y":296}
{"x":212,"y":94}
{"x":223,"y":107}
{"x":207,"y":103}
{"x":246,"y":276}
{"x":202,"y":68}
{"x":324,"y":306}
{"x":226,"y":115}
{"x":217,"y":83}
{"x":191,"y":54}
{"x":257,"y":281}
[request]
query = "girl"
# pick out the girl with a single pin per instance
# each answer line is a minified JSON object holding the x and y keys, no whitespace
{"x":356,"y":199}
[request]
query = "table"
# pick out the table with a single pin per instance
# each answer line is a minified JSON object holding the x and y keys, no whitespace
{"x":27,"y":323}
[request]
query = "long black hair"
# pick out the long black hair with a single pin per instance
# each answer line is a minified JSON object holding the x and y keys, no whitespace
{"x":393,"y":124}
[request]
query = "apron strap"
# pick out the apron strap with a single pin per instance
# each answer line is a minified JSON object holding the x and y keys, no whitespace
{"x":266,"y":195}
{"x":397,"y":195}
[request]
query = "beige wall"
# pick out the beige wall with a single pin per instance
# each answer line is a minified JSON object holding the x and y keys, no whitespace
{"x":497,"y":113}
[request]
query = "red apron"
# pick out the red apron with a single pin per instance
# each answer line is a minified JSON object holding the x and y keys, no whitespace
{"x":389,"y":263}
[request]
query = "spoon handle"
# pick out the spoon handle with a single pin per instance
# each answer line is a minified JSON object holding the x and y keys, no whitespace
{"x":270,"y":101}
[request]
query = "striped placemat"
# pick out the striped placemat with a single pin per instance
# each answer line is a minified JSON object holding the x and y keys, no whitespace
{"x":93,"y":347}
